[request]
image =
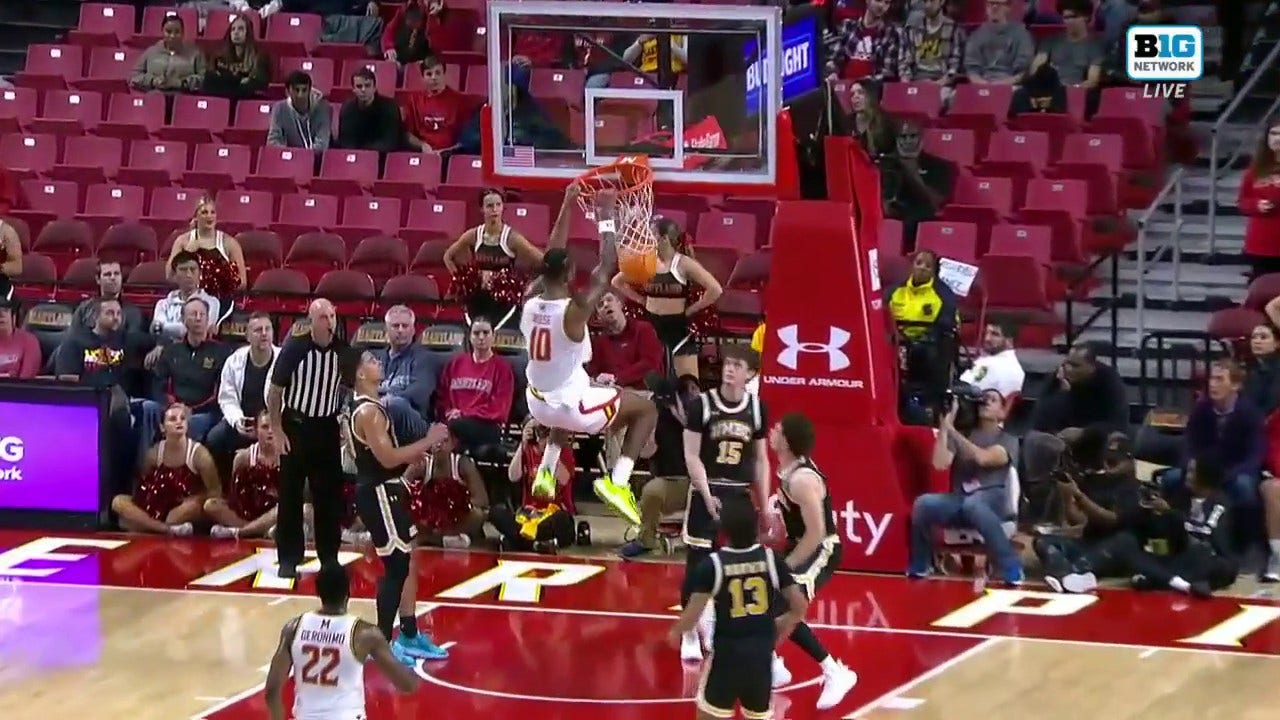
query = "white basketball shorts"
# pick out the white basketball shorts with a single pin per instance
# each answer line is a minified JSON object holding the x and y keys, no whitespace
{"x":589,"y":410}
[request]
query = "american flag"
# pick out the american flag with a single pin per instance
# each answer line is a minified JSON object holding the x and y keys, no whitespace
{"x":518,"y":156}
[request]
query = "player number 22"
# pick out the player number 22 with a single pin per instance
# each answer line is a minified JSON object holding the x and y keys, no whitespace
{"x":729,"y":453}
{"x":750,"y":597}
{"x":323,"y":659}
{"x":540,"y":344}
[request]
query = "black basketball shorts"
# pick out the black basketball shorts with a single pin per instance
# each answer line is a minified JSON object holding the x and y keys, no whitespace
{"x":384,"y":510}
{"x":817,"y":569}
{"x":701,"y":530}
{"x":737,"y":672}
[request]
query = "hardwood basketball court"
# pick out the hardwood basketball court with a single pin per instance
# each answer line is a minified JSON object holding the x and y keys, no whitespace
{"x":108,"y":627}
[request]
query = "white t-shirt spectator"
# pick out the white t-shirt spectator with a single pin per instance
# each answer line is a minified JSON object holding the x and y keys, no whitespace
{"x":167,"y":319}
{"x":1000,"y":372}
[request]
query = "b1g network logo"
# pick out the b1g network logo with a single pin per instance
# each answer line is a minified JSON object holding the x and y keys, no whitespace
{"x":1165,"y":58}
{"x":11,"y":453}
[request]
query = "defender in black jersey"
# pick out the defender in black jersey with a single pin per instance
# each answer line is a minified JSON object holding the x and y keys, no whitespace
{"x":383,"y":504}
{"x":755,"y":601}
{"x":813,"y":545}
{"x":726,"y":453}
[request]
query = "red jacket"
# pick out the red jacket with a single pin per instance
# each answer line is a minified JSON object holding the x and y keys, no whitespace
{"x":1262,"y":234}
{"x":629,"y":355}
{"x":481,"y":390}
{"x":434,"y":24}
{"x":436,"y":119}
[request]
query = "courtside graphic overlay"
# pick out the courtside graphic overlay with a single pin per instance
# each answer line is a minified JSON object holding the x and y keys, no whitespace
{"x":49,"y":456}
{"x":1164,"y":53}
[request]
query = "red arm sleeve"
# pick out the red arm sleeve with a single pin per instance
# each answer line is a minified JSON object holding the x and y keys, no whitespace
{"x":650,"y":356}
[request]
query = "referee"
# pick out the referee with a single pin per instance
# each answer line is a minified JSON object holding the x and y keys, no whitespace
{"x":303,"y":402}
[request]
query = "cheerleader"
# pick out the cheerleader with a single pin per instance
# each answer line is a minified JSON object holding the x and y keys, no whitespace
{"x":177,"y":475}
{"x":447,"y":498}
{"x":222,"y":269}
{"x":10,"y":260}
{"x":255,"y":487}
{"x":495,"y":248}
{"x":681,"y":289}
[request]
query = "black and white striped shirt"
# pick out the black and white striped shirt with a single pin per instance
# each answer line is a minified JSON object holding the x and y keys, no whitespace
{"x":310,"y":376}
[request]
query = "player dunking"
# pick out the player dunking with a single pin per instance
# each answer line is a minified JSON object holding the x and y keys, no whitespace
{"x":382,"y":500}
{"x":755,"y":602}
{"x":813,"y":545}
{"x":327,"y":650}
{"x":560,"y":393}
{"x":726,"y":452}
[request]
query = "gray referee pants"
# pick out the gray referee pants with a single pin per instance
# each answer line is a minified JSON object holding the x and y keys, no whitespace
{"x":314,"y":460}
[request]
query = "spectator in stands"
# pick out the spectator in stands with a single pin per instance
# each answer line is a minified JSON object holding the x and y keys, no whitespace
{"x":435,"y":115}
{"x":407,"y":39}
{"x":643,"y":52}
{"x":933,"y":47}
{"x":242,"y":392}
{"x":1259,"y":200}
{"x":599,"y":55}
{"x":369,"y":120}
{"x":869,"y":47}
{"x":915,"y":184}
{"x":10,"y":259}
{"x":539,"y":525}
{"x":625,"y":350}
{"x":528,"y":124}
{"x":410,"y":372}
{"x":980,"y":460}
{"x":998,"y":51}
{"x":998,"y":368}
{"x":476,"y":389}
{"x":110,"y":282}
{"x":97,"y":359}
{"x":1041,"y":92}
{"x":240,"y":69}
{"x":923,"y":300}
{"x":1083,"y":392}
{"x":1262,"y":383}
{"x":168,"y":320}
{"x":302,"y":119}
{"x":870,"y":125}
{"x":1077,"y":54}
{"x":1227,"y":431}
{"x":264,"y":8}
{"x":345,"y":21}
{"x":178,"y":476}
{"x":170,"y":65}
{"x":19,"y":349}
{"x":189,"y":372}
{"x":223,"y":271}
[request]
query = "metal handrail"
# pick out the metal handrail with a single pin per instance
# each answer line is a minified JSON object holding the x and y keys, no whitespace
{"x":1172,"y":185}
{"x":1215,"y":133}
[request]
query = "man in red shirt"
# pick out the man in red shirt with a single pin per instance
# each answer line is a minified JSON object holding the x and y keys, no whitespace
{"x":433,"y":115}
{"x":626,"y":349}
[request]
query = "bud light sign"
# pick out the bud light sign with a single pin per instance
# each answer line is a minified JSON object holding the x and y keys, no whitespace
{"x":800,"y":70}
{"x":49,"y":457}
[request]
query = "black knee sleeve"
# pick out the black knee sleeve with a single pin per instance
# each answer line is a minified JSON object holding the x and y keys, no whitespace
{"x":395,"y":573}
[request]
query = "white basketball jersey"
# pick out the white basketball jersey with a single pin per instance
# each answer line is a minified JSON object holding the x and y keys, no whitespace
{"x":328,"y":677}
{"x":555,"y":361}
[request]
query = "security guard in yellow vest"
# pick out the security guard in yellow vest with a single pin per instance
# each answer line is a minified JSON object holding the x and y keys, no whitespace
{"x":922,"y":299}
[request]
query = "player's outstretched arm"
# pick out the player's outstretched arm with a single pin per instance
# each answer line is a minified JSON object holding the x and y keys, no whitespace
{"x":278,"y":672}
{"x":374,"y":429}
{"x":581,"y":308}
{"x":560,"y":231}
{"x":372,"y":644}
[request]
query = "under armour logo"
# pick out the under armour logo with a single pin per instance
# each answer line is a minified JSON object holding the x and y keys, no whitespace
{"x":837,"y":359}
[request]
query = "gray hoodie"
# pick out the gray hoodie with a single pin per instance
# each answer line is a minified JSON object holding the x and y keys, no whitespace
{"x":290,"y":128}
{"x":997,"y":51}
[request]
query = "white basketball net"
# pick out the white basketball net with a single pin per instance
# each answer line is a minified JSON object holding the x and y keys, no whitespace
{"x":632,"y":181}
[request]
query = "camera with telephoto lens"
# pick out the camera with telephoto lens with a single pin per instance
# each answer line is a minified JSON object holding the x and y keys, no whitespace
{"x":966,"y":399}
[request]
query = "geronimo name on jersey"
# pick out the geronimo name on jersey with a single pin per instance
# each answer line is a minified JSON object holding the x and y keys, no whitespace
{"x":728,"y":433}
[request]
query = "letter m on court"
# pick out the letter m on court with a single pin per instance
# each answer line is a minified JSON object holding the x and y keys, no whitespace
{"x":833,"y":348}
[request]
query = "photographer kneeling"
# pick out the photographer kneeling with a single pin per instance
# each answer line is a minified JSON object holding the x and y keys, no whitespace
{"x":1097,"y":488}
{"x":981,"y":455}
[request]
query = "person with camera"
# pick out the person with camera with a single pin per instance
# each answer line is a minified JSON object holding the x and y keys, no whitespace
{"x":972,"y":443}
{"x":668,"y":490}
{"x":540,"y":525}
{"x":1096,"y":488}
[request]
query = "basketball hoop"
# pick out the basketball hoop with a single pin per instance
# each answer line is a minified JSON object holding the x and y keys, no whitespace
{"x":631,"y":179}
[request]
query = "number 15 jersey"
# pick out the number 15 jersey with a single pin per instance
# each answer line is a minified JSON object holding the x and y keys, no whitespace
{"x":555,"y":361}
{"x":729,"y":431}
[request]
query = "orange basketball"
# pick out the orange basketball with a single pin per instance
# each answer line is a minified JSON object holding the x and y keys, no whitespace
{"x":638,"y":267}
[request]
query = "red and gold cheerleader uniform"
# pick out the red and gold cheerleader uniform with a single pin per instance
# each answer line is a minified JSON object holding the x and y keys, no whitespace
{"x":441,"y":500}
{"x":219,"y":276}
{"x":255,"y":489}
{"x":166,"y":487}
{"x":490,"y":284}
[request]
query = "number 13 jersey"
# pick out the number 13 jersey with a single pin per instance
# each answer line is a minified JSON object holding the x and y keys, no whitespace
{"x":555,"y":362}
{"x":328,"y":677}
